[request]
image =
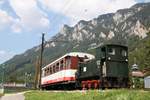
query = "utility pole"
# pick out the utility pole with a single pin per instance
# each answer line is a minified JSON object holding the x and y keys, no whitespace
{"x":41,"y":60}
{"x":2,"y":84}
{"x":36,"y":78}
{"x":3,"y":75}
{"x":25,"y":81}
{"x":102,"y":78}
{"x":102,"y":75}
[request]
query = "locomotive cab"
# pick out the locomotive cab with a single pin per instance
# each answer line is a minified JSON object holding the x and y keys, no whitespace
{"x":110,"y":67}
{"x":114,"y":65}
{"x":114,"y":60}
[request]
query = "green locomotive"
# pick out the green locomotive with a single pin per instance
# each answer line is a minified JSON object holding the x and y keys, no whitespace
{"x":109,"y":69}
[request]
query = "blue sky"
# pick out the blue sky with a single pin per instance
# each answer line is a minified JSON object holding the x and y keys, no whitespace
{"x":23,"y":21}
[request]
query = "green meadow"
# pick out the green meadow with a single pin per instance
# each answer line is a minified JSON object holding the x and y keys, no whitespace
{"x":89,"y":95}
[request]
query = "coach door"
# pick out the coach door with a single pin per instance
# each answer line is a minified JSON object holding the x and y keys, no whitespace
{"x":68,"y":62}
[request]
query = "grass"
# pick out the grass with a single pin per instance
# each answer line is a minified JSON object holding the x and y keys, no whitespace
{"x":89,"y":95}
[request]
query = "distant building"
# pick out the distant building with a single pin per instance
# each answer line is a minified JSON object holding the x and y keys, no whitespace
{"x":147,"y":82}
{"x":137,"y":77}
{"x":1,"y":88}
{"x":137,"y":73}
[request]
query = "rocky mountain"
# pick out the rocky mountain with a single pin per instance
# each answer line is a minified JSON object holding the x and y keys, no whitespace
{"x":140,"y":54}
{"x":123,"y":27}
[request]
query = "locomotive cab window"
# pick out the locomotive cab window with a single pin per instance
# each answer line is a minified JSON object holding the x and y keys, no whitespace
{"x":111,"y":51}
{"x":84,"y":69}
{"x":124,"y":53}
{"x":103,"y":49}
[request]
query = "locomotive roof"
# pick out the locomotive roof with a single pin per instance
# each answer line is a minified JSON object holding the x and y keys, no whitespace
{"x":74,"y":54}
{"x":115,"y":45}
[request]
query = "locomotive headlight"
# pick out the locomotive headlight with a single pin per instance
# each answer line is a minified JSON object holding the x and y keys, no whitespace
{"x":109,"y":58}
{"x":126,"y":60}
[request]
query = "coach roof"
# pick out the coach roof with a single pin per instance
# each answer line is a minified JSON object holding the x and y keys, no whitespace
{"x":79,"y":54}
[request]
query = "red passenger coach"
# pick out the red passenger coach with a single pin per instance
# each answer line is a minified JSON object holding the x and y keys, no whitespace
{"x":62,"y":71}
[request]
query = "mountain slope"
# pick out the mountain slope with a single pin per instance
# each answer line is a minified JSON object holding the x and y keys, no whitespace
{"x":123,"y":27}
{"x":141,"y":53}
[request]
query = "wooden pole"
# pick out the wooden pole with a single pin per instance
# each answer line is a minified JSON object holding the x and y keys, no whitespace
{"x":41,"y":60}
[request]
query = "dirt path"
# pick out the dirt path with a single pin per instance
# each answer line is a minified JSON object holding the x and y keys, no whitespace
{"x":16,"y":96}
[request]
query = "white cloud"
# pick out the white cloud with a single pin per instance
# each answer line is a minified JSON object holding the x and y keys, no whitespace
{"x":1,"y":2}
{"x":85,"y":9}
{"x":30,"y":16}
{"x":4,"y":56}
{"x":44,"y":22}
{"x":2,"y":52}
{"x":16,"y":29}
{"x":146,"y":0}
{"x":5,"y":20}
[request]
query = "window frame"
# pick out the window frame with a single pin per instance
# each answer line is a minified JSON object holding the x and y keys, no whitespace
{"x":124,"y":53}
{"x":112,"y":52}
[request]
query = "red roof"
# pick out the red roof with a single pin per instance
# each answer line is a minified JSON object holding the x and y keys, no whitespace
{"x":137,"y":74}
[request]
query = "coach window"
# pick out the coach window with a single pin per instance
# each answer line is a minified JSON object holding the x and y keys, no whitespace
{"x":54,"y":70}
{"x":48,"y":71}
{"x":61,"y":64}
{"x":57,"y":67}
{"x":111,"y":51}
{"x":44,"y":72}
{"x":64,"y":64}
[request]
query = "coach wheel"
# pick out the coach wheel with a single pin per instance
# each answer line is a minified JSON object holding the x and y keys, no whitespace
{"x":89,"y":85}
{"x":83,"y":86}
{"x":95,"y":85}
